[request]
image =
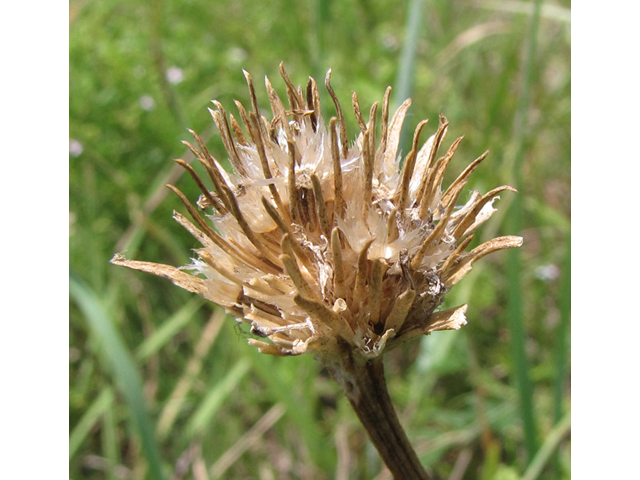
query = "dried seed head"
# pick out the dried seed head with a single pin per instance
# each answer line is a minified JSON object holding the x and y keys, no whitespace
{"x":320,"y":245}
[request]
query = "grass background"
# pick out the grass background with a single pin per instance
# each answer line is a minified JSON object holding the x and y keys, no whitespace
{"x":162,"y":385}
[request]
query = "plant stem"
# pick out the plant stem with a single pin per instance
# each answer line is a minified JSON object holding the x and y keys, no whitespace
{"x":514,"y":269}
{"x":362,"y":380}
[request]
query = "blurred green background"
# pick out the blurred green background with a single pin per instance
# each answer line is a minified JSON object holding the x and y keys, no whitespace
{"x":163,"y":385}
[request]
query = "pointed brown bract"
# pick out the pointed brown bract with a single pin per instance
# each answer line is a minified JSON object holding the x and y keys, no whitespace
{"x":321,"y":244}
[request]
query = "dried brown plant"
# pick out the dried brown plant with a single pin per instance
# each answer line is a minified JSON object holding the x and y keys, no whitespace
{"x":329,"y":247}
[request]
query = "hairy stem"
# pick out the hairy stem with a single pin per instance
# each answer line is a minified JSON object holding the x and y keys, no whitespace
{"x":362,"y":380}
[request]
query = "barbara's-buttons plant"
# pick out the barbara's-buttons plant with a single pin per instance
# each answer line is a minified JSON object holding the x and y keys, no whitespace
{"x":329,"y":247}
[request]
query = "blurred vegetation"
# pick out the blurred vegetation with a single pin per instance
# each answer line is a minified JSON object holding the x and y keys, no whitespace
{"x":162,"y":385}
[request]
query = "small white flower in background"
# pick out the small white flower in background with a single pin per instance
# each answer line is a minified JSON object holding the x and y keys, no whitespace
{"x":174,"y":75}
{"x":139,"y":71}
{"x":390,"y":42}
{"x":547,"y":273}
{"x":236,"y":55}
{"x":74,"y":354}
{"x":147,"y":103}
{"x":75,"y":148}
{"x":72,"y":223}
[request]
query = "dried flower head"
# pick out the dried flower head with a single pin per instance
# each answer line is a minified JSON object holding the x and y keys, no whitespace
{"x":320,"y":244}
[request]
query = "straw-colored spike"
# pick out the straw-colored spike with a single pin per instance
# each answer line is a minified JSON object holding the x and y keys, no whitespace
{"x":293,"y":270}
{"x":378,"y":269}
{"x":208,"y":162}
{"x":213,"y":201}
{"x":325,"y":226}
{"x":435,"y":175}
{"x":197,"y":153}
{"x":295,"y":99}
{"x":384,"y":125}
{"x":371,"y":126}
{"x":337,"y":170}
{"x":244,"y":115}
{"x":408,"y":168}
{"x":399,"y":311}
{"x":451,"y":319}
{"x":307,"y":208}
{"x":393,"y":135}
{"x":209,"y":260}
{"x":446,"y":197}
{"x":325,"y":315}
{"x":252,"y":92}
{"x":493,"y":245}
{"x":392,"y":226}
{"x":341,"y":121}
{"x":240,"y":255}
{"x":199,"y":235}
{"x":220,"y":119}
{"x":237,"y":131}
{"x":338,"y":269}
{"x":264,"y":161}
{"x":219,"y":183}
{"x":463,"y":267}
{"x":178,"y":277}
{"x":436,"y":233}
{"x":358,"y":112}
{"x":248,"y":231}
{"x":267,"y":348}
{"x":279,"y":112}
{"x":291,"y":183}
{"x":443,"y":124}
{"x":314,"y":101}
{"x":292,"y":247}
{"x":286,"y":230}
{"x":367,"y":187}
{"x":425,"y":185}
{"x":311,"y":107}
{"x":209,"y":232}
{"x":454,"y":256}
{"x":206,"y":229}
{"x":362,"y":271}
{"x":470,"y":217}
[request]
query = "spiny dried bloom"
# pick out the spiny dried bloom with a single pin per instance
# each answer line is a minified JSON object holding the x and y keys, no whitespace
{"x":319,"y":244}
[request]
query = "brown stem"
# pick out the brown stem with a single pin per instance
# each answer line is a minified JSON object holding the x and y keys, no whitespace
{"x":362,"y":380}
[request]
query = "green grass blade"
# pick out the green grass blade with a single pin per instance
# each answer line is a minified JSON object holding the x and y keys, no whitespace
{"x":563,"y":328}
{"x":561,"y":341}
{"x":185,"y":383}
{"x":99,"y":406}
{"x":170,"y":94}
{"x":319,"y":20}
{"x":406,"y":68}
{"x":549,"y":446}
{"x":519,"y":356}
{"x":551,"y":12}
{"x":281,"y":380}
{"x":216,"y":397}
{"x":249,"y":439}
{"x":515,"y":310}
{"x":110,"y":441}
{"x":125,"y":372}
{"x":169,"y":329}
{"x":432,"y":358}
